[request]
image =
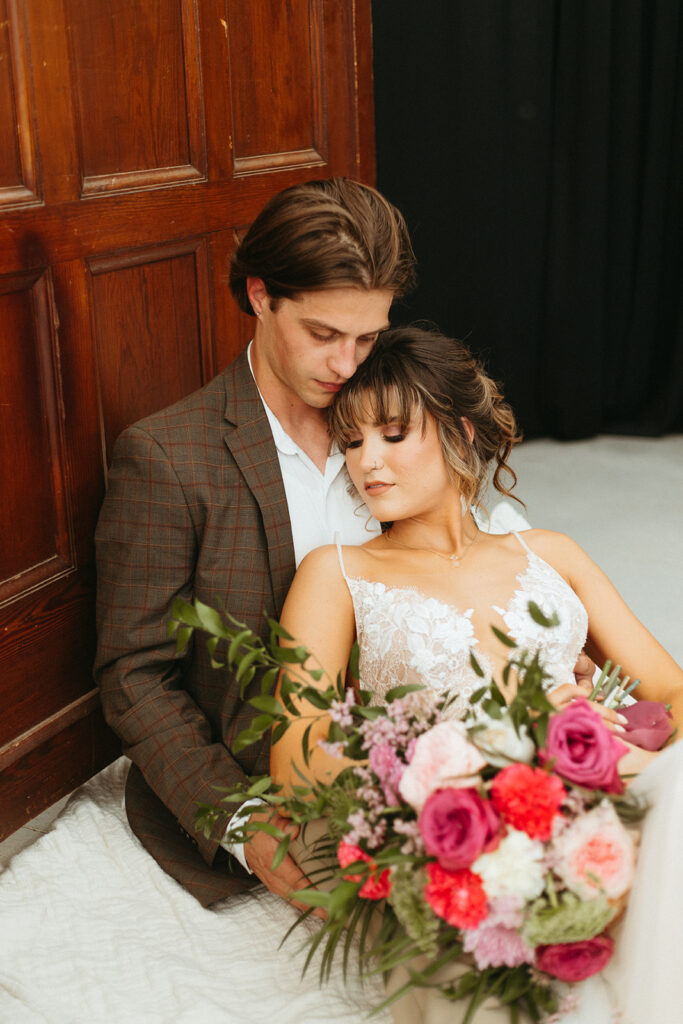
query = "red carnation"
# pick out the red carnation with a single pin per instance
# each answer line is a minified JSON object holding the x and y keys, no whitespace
{"x":373,"y":888}
{"x":528,"y":799}
{"x":456,"y":896}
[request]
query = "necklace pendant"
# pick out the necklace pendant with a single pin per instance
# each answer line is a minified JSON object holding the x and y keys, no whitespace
{"x":455,"y":561}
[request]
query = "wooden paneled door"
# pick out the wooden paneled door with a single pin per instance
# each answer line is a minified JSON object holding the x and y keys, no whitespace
{"x":135,"y":138}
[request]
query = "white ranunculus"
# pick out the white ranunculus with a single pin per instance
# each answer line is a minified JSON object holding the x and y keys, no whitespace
{"x":514,"y":868}
{"x":499,"y":742}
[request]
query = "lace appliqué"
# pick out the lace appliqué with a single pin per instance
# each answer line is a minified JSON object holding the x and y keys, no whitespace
{"x":406,"y":637}
{"x":561,"y":645}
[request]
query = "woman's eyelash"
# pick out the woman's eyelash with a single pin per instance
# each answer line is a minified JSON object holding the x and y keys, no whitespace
{"x":391,"y":438}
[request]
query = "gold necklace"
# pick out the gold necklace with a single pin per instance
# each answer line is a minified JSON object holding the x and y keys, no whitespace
{"x":454,"y":559}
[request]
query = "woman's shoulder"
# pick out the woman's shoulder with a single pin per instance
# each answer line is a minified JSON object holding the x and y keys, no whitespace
{"x":333,"y":561}
{"x":319,"y":560}
{"x":557,"y":549}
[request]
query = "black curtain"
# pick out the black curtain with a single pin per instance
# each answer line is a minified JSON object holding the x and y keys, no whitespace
{"x":536,"y":149}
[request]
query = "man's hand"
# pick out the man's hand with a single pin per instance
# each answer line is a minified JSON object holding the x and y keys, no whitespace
{"x":259,"y":853}
{"x":584,"y":671}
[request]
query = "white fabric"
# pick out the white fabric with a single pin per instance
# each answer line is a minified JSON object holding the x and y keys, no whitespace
{"x":405,"y":636}
{"x":92,"y":931}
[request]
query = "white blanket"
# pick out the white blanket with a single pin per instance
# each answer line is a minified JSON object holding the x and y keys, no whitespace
{"x":92,"y":930}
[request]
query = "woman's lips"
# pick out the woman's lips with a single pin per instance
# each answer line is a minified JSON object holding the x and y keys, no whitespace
{"x":377,"y":487}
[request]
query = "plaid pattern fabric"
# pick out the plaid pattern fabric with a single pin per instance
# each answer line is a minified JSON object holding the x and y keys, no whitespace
{"x":195,"y":507}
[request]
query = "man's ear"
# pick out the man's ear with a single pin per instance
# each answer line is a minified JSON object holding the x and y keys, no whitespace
{"x":468,"y":428}
{"x":258,"y":296}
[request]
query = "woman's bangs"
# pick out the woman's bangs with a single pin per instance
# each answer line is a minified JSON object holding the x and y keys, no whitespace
{"x":393,"y":402}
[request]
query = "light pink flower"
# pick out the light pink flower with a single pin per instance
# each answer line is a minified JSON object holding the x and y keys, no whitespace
{"x":388,"y":769}
{"x":595,"y":854}
{"x":443,"y":756}
{"x":497,"y":946}
{"x":497,"y":942}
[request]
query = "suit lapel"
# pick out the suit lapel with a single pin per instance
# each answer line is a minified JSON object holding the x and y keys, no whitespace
{"x":249,"y":439}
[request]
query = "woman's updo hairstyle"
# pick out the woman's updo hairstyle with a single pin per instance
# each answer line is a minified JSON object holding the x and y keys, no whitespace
{"x":412,"y":371}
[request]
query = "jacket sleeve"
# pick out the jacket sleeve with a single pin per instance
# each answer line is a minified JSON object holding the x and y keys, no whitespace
{"x":147,"y":549}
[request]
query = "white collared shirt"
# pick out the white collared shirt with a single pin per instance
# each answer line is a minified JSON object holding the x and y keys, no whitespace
{"x":320,"y":505}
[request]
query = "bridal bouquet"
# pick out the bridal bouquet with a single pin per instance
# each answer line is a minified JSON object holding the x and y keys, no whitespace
{"x":487,"y":857}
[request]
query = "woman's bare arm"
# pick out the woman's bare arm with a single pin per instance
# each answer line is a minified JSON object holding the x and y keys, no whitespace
{"x":613,"y":629}
{"x":318,"y":613}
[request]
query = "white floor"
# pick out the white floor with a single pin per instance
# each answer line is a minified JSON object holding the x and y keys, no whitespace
{"x":620,"y":498}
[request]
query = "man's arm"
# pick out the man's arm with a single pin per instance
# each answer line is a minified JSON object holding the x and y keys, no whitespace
{"x":147,"y":550}
{"x":148,"y":545}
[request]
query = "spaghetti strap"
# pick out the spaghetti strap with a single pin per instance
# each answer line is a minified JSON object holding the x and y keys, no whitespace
{"x":337,"y":541}
{"x":522,"y":542}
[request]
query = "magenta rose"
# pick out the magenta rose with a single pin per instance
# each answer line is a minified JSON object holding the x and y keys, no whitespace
{"x":574,"y":961}
{"x":649,"y":724}
{"x":457,"y":826}
{"x":582,"y":749}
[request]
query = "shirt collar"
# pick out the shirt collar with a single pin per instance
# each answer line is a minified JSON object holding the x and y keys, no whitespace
{"x":283,"y":441}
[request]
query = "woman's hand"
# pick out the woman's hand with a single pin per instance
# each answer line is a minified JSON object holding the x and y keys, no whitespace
{"x":562,"y":696}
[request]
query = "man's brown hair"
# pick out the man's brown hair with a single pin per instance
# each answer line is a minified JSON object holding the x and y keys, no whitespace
{"x":331,"y":233}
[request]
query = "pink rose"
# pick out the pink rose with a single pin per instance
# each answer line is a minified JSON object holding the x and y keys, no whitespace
{"x":649,"y":724}
{"x":457,"y":826}
{"x":574,"y":961}
{"x":582,"y":749}
{"x":443,"y":756}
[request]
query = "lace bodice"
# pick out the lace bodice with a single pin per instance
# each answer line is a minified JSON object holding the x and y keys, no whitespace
{"x":405,"y":636}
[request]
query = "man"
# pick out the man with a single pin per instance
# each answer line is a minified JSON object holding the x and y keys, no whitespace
{"x":220,"y":496}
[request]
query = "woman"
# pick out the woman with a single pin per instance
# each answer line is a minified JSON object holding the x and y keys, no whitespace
{"x":421,"y":423}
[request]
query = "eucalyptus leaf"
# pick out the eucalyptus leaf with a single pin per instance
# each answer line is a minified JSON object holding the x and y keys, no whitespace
{"x":401,"y":691}
{"x":280,"y":853}
{"x":542,"y":620}
{"x":210,"y":620}
{"x":476,"y":666}
{"x":267,"y":704}
{"x":503,"y":637}
{"x":236,"y":643}
{"x":183,"y":636}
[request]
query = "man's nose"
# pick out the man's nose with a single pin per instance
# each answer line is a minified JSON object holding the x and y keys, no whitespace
{"x":343,"y":361}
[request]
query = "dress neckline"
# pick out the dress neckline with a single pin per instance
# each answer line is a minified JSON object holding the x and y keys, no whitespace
{"x":519,"y":590}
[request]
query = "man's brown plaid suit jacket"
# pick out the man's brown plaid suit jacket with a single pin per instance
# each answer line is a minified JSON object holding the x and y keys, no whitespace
{"x":195,"y":507}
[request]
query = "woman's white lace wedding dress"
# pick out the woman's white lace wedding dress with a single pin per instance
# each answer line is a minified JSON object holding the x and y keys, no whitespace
{"x":405,"y":636}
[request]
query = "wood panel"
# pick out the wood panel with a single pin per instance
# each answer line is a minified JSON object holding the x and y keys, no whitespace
{"x":33,"y":482}
{"x":138,"y":94}
{"x":280,"y":124}
{"x":152,"y":331}
{"x":18,"y":172}
{"x":138,"y":139}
